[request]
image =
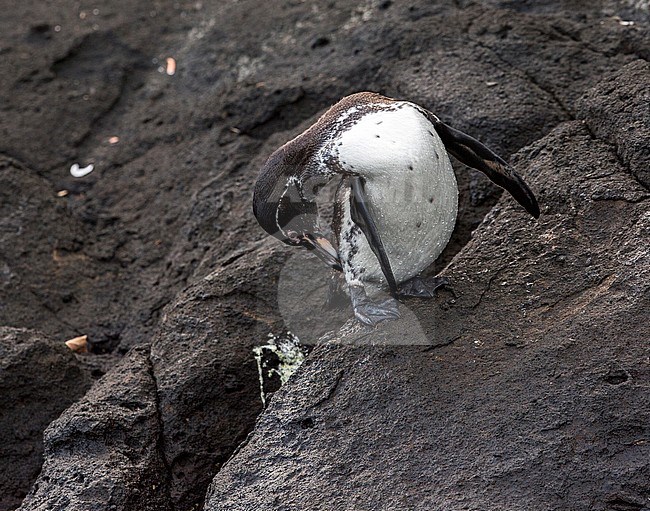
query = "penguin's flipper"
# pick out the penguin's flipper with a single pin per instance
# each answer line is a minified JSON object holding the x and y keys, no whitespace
{"x":474,"y":154}
{"x":361,"y":216}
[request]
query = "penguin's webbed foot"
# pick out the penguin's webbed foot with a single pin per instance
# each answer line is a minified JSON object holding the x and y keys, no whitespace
{"x":423,"y":287}
{"x":370,"y":312}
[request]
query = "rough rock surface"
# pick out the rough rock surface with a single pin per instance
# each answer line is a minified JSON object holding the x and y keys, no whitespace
{"x":534,"y":392}
{"x":208,"y":383}
{"x":39,"y":378}
{"x":105,"y":451}
{"x":158,"y":246}
{"x":622,"y":118}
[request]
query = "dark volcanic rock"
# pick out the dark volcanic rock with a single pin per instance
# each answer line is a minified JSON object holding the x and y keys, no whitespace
{"x":158,"y":245}
{"x":171,"y":197}
{"x":39,"y":378}
{"x":534,"y":391}
{"x":37,"y":232}
{"x":618,"y":110}
{"x":66,"y":67}
{"x":105,"y":452}
{"x":153,"y":432}
{"x":208,"y":383}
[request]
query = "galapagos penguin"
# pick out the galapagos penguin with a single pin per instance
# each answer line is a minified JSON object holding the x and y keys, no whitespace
{"x":397,"y":200}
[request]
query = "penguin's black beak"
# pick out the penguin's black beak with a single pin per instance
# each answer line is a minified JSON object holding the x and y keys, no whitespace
{"x":322,"y":248}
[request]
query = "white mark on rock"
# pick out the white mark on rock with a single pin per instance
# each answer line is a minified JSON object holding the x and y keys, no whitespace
{"x":78,"y":171}
{"x":290,"y":357}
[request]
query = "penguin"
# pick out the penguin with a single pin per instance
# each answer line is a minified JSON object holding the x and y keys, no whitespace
{"x":397,"y":200}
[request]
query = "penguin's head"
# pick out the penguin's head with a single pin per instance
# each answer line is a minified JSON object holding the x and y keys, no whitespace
{"x":294,"y":221}
{"x":280,"y":204}
{"x":284,"y":202}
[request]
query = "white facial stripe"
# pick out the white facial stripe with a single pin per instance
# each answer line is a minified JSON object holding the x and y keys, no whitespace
{"x":293,"y":180}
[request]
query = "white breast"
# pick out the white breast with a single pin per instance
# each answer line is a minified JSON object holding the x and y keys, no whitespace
{"x":411,"y":188}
